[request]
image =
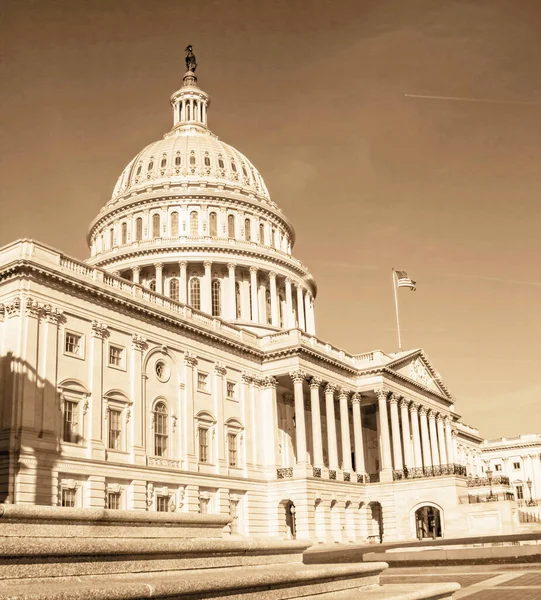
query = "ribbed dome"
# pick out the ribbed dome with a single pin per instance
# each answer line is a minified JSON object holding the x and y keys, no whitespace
{"x":190,"y":156}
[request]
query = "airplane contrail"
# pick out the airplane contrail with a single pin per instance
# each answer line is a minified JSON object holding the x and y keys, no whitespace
{"x":462,"y":99}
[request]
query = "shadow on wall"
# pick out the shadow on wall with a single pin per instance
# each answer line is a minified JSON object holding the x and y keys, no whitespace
{"x":30,"y":421}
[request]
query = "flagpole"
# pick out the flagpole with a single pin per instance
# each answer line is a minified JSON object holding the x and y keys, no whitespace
{"x":396,"y":310}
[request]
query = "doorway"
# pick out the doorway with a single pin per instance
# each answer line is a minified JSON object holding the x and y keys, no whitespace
{"x":428,"y":523}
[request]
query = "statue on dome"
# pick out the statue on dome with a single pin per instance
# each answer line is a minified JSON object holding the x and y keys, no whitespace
{"x":191,"y":65}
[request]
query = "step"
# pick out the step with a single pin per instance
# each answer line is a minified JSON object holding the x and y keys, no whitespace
{"x":268,"y":583}
{"x":408,"y":591}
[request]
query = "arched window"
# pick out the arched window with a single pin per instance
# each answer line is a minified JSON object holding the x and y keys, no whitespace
{"x":233,"y":167}
{"x":152,"y":285}
{"x":174,"y":224}
{"x":268,"y":306}
{"x":195,"y":109}
{"x":231,"y":226}
{"x":178,"y":160}
{"x":138,"y":229}
{"x":155,"y":225}
{"x":261,"y":233}
{"x":207,"y":160}
{"x":139,"y":170}
{"x":150,"y":165}
{"x":111,"y":238}
{"x":188,"y":111}
{"x":273,"y":236}
{"x":124,"y":233}
{"x":195,"y":293}
{"x":221,"y":163}
{"x":174,"y":289}
{"x":163,"y":164}
{"x":213,"y":224}
{"x":281,"y":310}
{"x":216,"y":298}
{"x":160,"y":429}
{"x":244,"y":171}
{"x":192,"y":159}
{"x":247,"y":229}
{"x":194,"y":223}
{"x":237,"y":299}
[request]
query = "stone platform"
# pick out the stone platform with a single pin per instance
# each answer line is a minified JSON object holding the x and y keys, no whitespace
{"x":50,"y":553}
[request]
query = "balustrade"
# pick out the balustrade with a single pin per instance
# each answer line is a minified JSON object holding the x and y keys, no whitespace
{"x":484,"y":482}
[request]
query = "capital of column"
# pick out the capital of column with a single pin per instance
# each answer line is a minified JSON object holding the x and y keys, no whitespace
{"x":454,"y":433}
{"x":414,"y":407}
{"x":404,"y":403}
{"x":288,"y":280}
{"x":423,"y":411}
{"x":431,"y":414}
{"x":52,"y":314}
{"x":298,"y":376}
{"x":99,"y":330}
{"x":315,"y":383}
{"x":381,"y":393}
{"x":207,"y":264}
{"x":356,"y":398}
{"x":272,"y":275}
{"x":158,"y":265}
{"x":138,"y":342}
{"x":447,"y":420}
{"x":231,"y":266}
{"x":330,"y":388}
{"x":182,"y":264}
{"x":343,"y":393}
{"x":269,"y":382}
{"x":246,"y":378}
{"x":439,"y":418}
{"x":220,"y":369}
{"x":253,"y":269}
{"x":394,"y":398}
{"x":136,"y":269}
{"x":190,"y":359}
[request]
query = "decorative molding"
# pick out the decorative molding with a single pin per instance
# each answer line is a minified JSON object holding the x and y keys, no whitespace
{"x":53,"y":314}
{"x":32,"y":308}
{"x":13,"y":308}
{"x":138,"y":342}
{"x":160,"y":461}
{"x":419,"y":373}
{"x":99,"y":330}
{"x":220,"y":369}
{"x":246,"y":378}
{"x":190,"y":359}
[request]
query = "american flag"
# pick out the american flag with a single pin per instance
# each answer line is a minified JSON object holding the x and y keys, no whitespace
{"x":402,"y":280}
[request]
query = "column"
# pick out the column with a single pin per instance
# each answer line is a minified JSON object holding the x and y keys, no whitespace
{"x":289,"y":321}
{"x":253,"y":294}
{"x":386,"y":461}
{"x":98,"y":334}
{"x":300,"y":427}
{"x":138,"y":347}
{"x":159,"y":277}
{"x":395,"y":431}
{"x":406,"y":436}
{"x":300,"y":308}
{"x":441,"y":440}
{"x":315,"y":383}
{"x":433,"y":438}
{"x":218,"y":393}
{"x":188,"y":424}
{"x":417,"y":453}
{"x":344,"y":427}
{"x":206,"y":295}
{"x":274,"y":300}
{"x":451,"y":459}
{"x":231,"y":295}
{"x":331,"y":426}
{"x":183,"y":283}
{"x":309,"y":312}
{"x":136,"y":274}
{"x":425,"y":437}
{"x":358,"y":434}
{"x":50,"y":354}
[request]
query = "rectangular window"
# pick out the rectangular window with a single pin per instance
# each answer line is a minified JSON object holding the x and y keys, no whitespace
{"x":231,"y":390}
{"x":520,"y":492}
{"x":516,"y":465}
{"x":73,"y":344}
{"x":69,"y":498}
{"x":115,"y":430}
{"x":114,"y":500}
{"x":70,"y":422}
{"x":162,"y":503}
{"x":116,"y":356}
{"x":202,"y":381}
{"x":232,"y":449}
{"x":203,"y":445}
{"x":498,"y":467}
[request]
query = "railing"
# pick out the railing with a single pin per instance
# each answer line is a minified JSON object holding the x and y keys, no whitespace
{"x":347,"y":476}
{"x":523,"y":503}
{"x":422,"y":472}
{"x":332,"y":474}
{"x":484,"y":482}
{"x":477,"y":499}
{"x":316,"y":471}
{"x":372,"y":478}
{"x":286,"y":473}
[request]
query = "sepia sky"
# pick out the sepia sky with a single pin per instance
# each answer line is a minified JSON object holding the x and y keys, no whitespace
{"x":314,"y":93}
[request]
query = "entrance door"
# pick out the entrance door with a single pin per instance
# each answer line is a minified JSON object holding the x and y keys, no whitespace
{"x":427,"y":523}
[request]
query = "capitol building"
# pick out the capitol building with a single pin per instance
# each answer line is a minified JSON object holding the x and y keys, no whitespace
{"x":178,"y":368}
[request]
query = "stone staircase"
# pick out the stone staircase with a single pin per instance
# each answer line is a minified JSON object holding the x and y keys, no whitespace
{"x":51,"y":553}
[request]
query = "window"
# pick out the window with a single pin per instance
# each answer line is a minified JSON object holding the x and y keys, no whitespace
{"x":160,"y":429}
{"x":273,"y":236}
{"x":150,"y":165}
{"x":268,"y":306}
{"x":202,"y":382}
{"x":192,"y":160}
{"x":195,"y":293}
{"x":281,"y":310}
{"x":162,"y":371}
{"x":203,"y":445}
{"x":70,"y":429}
{"x":194,"y":223}
{"x":73,"y":344}
{"x":174,"y":224}
{"x":178,"y":160}
{"x":124,"y":233}
{"x":114,"y":500}
{"x":232,"y":449}
{"x":115,"y":417}
{"x":162,"y":503}
{"x":231,"y":226}
{"x":497,"y":467}
{"x":516,"y":465}
{"x":520,"y":492}
{"x":216,"y":298}
{"x":174,"y":288}
{"x":139,"y":229}
{"x":247,"y":230}
{"x":213,"y":224}
{"x":231,"y":390}
{"x":244,"y":171}
{"x":261,"y":233}
{"x":221,"y":163}
{"x":155,"y":225}
{"x":233,"y":167}
{"x":237,"y":299}
{"x":139,"y":169}
{"x":116,"y":356}
{"x":163,"y":164}
{"x":68,"y":498}
{"x":152,"y":285}
{"x":207,"y":160}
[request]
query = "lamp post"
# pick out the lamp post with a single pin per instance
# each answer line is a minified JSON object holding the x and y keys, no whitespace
{"x":529,"y":484}
{"x":489,"y":477}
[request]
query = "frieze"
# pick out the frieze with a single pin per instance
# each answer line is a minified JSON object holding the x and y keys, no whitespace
{"x":159,"y":461}
{"x":13,"y":308}
{"x":33,"y":308}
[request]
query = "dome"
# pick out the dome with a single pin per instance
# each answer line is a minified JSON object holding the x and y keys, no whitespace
{"x":190,"y":156}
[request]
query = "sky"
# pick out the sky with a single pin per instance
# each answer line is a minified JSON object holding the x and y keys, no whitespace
{"x":319,"y":95}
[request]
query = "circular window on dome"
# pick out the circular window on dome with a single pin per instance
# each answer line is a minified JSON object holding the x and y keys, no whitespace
{"x":162,"y":371}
